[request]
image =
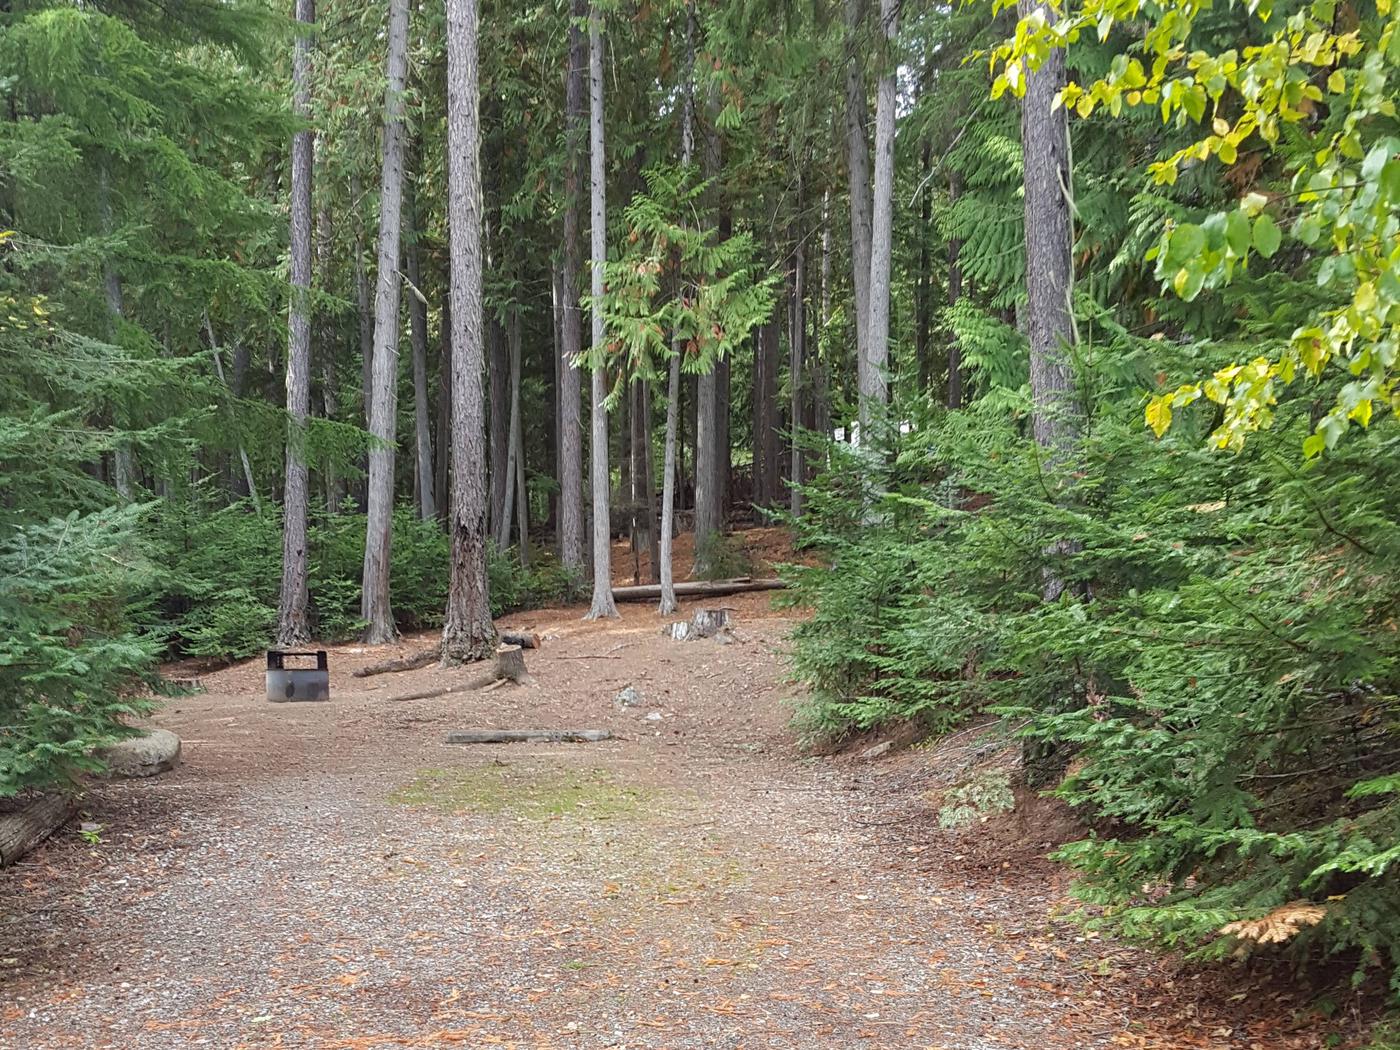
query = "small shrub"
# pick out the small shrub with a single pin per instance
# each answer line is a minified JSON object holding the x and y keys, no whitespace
{"x":982,"y":797}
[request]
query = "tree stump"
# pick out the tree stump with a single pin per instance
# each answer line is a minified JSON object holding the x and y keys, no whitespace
{"x":706,"y":623}
{"x":510,"y":663}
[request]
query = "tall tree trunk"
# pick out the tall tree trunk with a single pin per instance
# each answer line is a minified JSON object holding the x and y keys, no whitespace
{"x":364,"y":309}
{"x":498,"y":373}
{"x":292,"y":626}
{"x":467,"y":631}
{"x":418,"y":336}
{"x":858,"y":167}
{"x":522,"y":494}
{"x":821,"y":393}
{"x":510,"y":425}
{"x":670,"y":471}
{"x":444,"y":419}
{"x":374,"y":601}
{"x":324,"y":347}
{"x":797,"y":362}
{"x":602,"y":534}
{"x":922,"y":304}
{"x":251,"y":485}
{"x":649,"y":491}
{"x":1049,"y":262}
{"x":556,"y":316}
{"x":571,"y":328}
{"x":874,"y":390}
{"x":955,"y":372}
{"x":123,"y":459}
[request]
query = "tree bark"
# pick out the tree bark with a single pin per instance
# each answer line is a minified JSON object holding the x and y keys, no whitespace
{"x":363,"y":309}
{"x":649,"y":485}
{"x":292,"y":626}
{"x":571,"y":329}
{"x":498,"y":407}
{"x":821,"y":395}
{"x":874,"y":390}
{"x":444,"y":419}
{"x":21,"y":832}
{"x":602,"y":605}
{"x":669,"y":474}
{"x":1049,"y":237}
{"x":858,"y":167}
{"x":503,"y":470}
{"x":324,"y":347}
{"x":1049,"y":243}
{"x":467,"y":632}
{"x":418,"y":336}
{"x":796,"y":362}
{"x":374,"y":601}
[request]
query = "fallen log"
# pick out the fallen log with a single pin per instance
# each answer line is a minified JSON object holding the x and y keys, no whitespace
{"x":21,"y":832}
{"x":528,"y":736}
{"x":698,"y":588}
{"x":412,"y":662}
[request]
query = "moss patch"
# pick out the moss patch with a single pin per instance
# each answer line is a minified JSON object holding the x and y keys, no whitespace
{"x":534,"y":794}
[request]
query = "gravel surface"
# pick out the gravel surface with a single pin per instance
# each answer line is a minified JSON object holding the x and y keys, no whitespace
{"x":334,"y":875}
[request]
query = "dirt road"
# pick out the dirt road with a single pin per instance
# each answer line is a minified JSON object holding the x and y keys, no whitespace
{"x":335,"y":875}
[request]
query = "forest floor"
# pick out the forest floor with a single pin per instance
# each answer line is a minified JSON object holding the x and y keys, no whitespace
{"x":334,"y":875}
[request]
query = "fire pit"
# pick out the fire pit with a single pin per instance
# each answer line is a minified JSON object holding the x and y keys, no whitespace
{"x":297,"y":683}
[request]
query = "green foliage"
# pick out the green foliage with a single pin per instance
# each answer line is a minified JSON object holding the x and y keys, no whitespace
{"x":985,"y":795}
{"x":720,"y":557}
{"x":1222,"y":670}
{"x":71,"y":665}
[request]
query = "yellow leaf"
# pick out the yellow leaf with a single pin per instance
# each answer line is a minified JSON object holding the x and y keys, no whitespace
{"x":1159,"y":414}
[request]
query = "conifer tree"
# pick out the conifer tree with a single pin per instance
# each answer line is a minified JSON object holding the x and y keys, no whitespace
{"x":292,"y":626}
{"x":383,"y":417}
{"x":467,"y":633}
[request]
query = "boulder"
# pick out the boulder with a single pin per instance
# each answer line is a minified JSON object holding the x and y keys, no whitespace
{"x":629,"y":697}
{"x":154,"y":751}
{"x":870,"y":754}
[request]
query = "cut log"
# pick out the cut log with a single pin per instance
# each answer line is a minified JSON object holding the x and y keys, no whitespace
{"x":524,"y":639}
{"x":706,"y":623}
{"x":528,"y":736}
{"x":402,"y":663}
{"x":21,"y":832}
{"x":510,"y":663}
{"x":698,"y":589}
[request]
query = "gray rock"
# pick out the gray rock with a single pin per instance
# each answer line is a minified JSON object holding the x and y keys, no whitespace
{"x":630,"y":696}
{"x":154,"y":751}
{"x":654,"y":716}
{"x":876,"y":750}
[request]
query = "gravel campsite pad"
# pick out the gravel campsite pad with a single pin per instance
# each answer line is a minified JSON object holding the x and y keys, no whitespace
{"x":335,"y":875}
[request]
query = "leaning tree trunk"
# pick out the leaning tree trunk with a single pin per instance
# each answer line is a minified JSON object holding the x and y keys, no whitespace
{"x":603,"y":604}
{"x":374,"y":598}
{"x":873,"y":389}
{"x":418,"y":336}
{"x":292,"y":626}
{"x":498,"y":425}
{"x":467,"y":631}
{"x":858,"y":165}
{"x":571,"y":328}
